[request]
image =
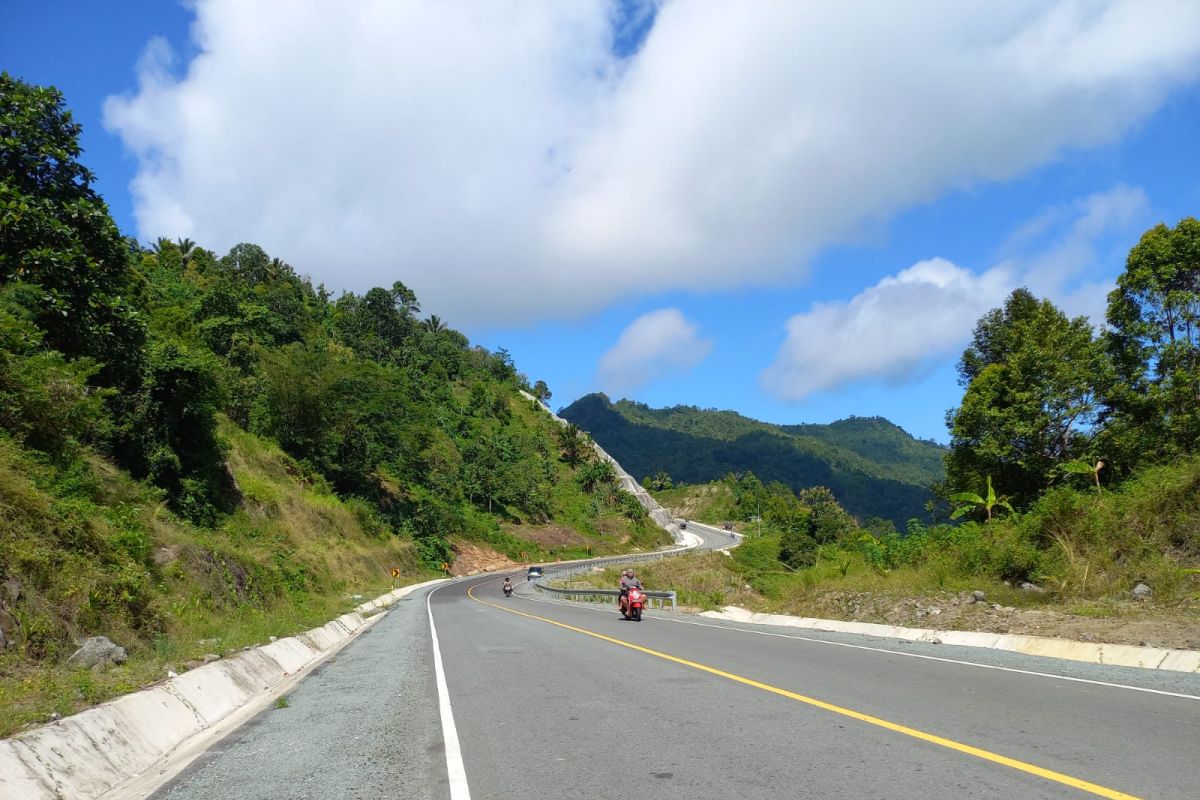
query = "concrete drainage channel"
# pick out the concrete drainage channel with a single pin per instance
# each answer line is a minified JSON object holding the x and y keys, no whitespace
{"x":125,"y":747}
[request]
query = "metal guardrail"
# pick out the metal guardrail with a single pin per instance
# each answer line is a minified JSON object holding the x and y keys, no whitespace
{"x":591,"y":594}
{"x":595,"y":594}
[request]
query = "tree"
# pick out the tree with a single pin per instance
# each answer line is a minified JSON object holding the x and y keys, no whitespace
{"x":1031,"y":375}
{"x":572,"y":444}
{"x":598,"y":474}
{"x":542,"y":392}
{"x":827,"y":520}
{"x":56,"y":235}
{"x":1154,"y":342}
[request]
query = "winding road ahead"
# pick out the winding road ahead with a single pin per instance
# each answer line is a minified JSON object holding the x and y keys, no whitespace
{"x":555,"y":700}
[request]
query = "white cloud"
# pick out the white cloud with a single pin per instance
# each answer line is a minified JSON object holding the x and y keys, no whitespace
{"x":655,"y":345}
{"x":499,"y":159}
{"x":918,"y":319}
{"x":891,"y":331}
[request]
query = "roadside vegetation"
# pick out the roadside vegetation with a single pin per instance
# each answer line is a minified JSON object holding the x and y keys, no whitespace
{"x":201,"y":451}
{"x":1072,"y":480}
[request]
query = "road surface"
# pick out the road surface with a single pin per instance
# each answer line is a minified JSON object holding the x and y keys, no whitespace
{"x":553,"y":700}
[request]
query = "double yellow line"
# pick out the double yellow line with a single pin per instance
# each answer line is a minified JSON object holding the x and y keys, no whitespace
{"x":950,"y":744}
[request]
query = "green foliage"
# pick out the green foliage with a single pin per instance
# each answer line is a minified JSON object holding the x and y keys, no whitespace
{"x":986,"y":503}
{"x":1153,"y":339}
{"x":59,"y":239}
{"x":1030,"y":402}
{"x":45,"y":399}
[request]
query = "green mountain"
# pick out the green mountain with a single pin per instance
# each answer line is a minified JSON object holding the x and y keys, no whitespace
{"x":873,"y":466}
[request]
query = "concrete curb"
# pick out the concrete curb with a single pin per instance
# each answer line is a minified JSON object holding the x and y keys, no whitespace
{"x":87,"y":755}
{"x":1121,"y":655}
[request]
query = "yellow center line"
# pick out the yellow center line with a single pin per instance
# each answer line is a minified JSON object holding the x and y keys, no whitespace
{"x":986,"y":755}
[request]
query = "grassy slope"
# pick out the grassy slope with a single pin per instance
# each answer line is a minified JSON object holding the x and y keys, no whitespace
{"x":292,"y":557}
{"x":88,"y":551}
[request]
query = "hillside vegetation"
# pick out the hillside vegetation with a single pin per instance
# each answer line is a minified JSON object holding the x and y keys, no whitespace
{"x":200,"y":451}
{"x":873,"y":467}
{"x":1073,"y":472}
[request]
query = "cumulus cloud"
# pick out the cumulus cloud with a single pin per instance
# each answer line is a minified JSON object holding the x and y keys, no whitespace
{"x":655,"y":345}
{"x":909,"y":323}
{"x":507,"y":161}
{"x":891,"y":331}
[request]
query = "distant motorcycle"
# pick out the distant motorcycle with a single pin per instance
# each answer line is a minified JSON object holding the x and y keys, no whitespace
{"x":633,"y":602}
{"x":508,"y":590}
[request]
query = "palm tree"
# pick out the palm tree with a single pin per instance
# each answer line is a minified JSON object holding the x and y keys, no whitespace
{"x":434,"y":324}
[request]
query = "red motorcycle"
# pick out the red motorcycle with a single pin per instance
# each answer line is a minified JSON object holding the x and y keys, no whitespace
{"x":633,"y":603}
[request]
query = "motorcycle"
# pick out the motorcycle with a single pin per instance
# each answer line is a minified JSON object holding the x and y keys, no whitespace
{"x":508,"y":590}
{"x":632,"y":604}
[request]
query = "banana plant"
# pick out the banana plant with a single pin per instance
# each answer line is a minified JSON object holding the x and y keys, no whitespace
{"x":1082,"y":467}
{"x":973,"y":501}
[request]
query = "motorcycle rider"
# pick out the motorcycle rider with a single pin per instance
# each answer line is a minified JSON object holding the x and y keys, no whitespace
{"x":628,"y":579}
{"x":508,"y":587}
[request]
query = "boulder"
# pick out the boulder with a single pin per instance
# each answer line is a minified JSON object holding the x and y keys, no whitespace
{"x":98,"y":651}
{"x":1032,"y":587}
{"x":978,"y":596}
{"x":211,"y":657}
{"x":8,"y":629}
{"x":1142,"y":592}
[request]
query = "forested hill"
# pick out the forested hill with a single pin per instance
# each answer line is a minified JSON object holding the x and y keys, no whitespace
{"x":873,"y":467}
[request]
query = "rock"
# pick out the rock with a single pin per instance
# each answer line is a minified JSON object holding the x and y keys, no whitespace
{"x":933,"y":611}
{"x":935,"y":640}
{"x":98,"y":651}
{"x":188,"y":665}
{"x":172,"y":673}
{"x":55,"y":717}
{"x":978,"y":596}
{"x":1142,"y":592}
{"x":1032,"y":587}
{"x":12,"y":592}
{"x":996,"y":607}
{"x":274,"y":638}
{"x":1087,"y":637}
{"x":211,"y":657}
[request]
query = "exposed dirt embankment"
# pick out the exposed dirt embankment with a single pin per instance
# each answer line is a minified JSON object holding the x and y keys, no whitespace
{"x":472,"y":559}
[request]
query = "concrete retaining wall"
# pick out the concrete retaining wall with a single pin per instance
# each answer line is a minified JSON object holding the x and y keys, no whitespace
{"x":1121,"y":655}
{"x":660,"y":515}
{"x":88,"y":754}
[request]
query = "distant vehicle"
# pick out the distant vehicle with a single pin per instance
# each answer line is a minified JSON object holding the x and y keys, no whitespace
{"x":533,"y":572}
{"x":683,"y":525}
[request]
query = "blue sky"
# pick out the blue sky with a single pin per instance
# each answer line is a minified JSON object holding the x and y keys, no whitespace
{"x":787,"y":211}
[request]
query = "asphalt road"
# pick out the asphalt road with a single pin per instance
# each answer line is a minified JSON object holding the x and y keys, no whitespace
{"x":562,"y":700}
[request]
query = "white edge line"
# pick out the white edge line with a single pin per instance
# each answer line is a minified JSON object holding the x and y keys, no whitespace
{"x":886,"y":650}
{"x":455,"y":771}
